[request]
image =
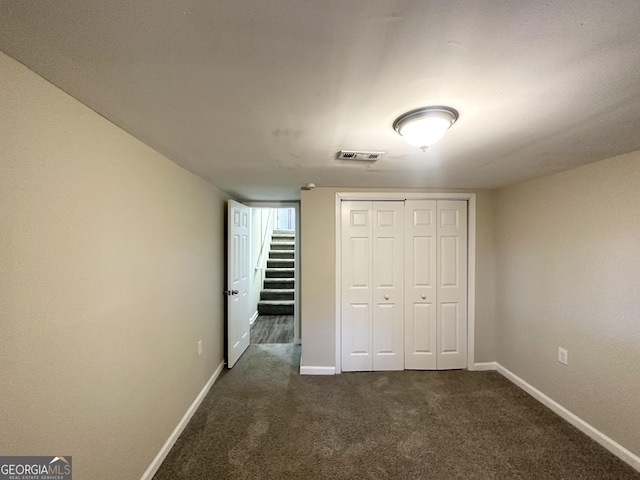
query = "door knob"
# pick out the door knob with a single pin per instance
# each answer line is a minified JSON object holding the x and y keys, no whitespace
{"x":423,"y":296}
{"x":386,"y":297}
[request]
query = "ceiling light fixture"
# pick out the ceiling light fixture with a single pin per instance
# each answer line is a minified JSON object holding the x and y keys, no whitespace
{"x":425,"y":126}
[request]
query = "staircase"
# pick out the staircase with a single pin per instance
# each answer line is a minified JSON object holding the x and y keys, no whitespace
{"x":277,"y":296}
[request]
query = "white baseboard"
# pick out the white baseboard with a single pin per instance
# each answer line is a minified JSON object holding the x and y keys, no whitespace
{"x":166,"y":448}
{"x":484,"y":366}
{"x":253,"y":318}
{"x":317,"y":370}
{"x":614,"y":447}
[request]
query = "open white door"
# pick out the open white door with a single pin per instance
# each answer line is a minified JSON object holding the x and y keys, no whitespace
{"x":238,"y":326}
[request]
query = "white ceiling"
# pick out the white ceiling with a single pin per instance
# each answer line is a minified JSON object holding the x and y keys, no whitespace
{"x":258,"y":96}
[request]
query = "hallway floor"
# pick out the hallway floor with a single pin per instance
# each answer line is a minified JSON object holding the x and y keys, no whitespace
{"x":272,"y":329}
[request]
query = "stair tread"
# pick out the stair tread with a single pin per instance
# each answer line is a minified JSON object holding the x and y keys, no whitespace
{"x":276,"y":302}
{"x":279,"y":290}
{"x":277,"y":295}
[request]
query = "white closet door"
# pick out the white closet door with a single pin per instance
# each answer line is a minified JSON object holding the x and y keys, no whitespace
{"x":452,"y":284}
{"x":404,"y":285}
{"x":357,"y":286}
{"x":388,"y":280}
{"x":420,"y":285}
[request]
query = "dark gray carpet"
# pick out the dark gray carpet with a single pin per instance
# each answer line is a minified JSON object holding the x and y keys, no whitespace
{"x":262,"y":420}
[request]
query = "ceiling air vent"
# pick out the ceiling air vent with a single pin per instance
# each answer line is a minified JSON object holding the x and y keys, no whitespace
{"x":364,"y":156}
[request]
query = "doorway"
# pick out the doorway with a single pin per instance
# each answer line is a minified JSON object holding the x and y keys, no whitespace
{"x":275,"y":274}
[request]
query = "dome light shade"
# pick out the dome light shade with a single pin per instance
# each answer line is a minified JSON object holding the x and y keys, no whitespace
{"x":425,"y":126}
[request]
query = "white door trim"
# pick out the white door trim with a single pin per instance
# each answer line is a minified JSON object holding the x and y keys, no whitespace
{"x":470,"y":198}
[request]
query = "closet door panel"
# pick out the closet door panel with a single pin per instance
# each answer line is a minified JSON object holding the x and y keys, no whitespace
{"x":404,"y":285}
{"x":420,"y":285}
{"x":357,"y":286}
{"x":388,"y":291}
{"x":452,"y":284}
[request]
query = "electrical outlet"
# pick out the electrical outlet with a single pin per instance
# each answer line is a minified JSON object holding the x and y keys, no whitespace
{"x":563,"y":356}
{"x":199,"y":347}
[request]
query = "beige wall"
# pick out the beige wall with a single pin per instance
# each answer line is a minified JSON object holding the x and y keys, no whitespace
{"x":318,"y":294}
{"x":112,"y":269}
{"x":569,"y":275}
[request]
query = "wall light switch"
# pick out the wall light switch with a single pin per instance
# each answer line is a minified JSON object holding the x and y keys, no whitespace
{"x":199,"y":347}
{"x":563,"y":356}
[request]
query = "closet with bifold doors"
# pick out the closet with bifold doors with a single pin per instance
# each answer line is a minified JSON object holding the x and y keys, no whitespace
{"x":403,"y":285}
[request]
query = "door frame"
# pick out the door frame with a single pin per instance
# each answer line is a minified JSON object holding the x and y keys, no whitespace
{"x":470,"y":198}
{"x":296,"y":294}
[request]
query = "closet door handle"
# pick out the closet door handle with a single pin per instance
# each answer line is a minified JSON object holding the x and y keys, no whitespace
{"x":386,"y":297}
{"x":423,"y":296}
